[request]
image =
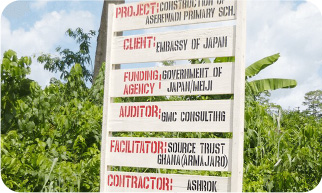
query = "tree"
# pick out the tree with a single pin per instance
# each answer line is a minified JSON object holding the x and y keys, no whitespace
{"x":313,"y":101}
{"x":14,"y":86}
{"x":50,"y":137}
{"x":68,"y":58}
{"x":100,"y":55}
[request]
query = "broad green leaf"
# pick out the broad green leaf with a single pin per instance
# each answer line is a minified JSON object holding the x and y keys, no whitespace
{"x":8,"y":54}
{"x":27,"y":60}
{"x":258,"y":86}
{"x":258,"y":66}
{"x":6,"y":62}
{"x":30,"y":125}
{"x":224,"y":59}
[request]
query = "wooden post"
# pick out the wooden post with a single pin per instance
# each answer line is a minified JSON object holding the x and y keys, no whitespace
{"x":107,"y":99}
{"x":239,"y":99}
{"x":100,"y":54}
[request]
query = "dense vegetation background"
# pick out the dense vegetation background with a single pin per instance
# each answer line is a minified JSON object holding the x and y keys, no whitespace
{"x":50,"y":138}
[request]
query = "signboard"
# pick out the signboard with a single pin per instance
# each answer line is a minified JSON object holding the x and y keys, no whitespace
{"x":175,"y":116}
{"x":172,"y":12}
{"x":173,"y":80}
{"x":170,"y":153}
{"x":149,"y":182}
{"x":185,"y":116}
{"x":177,"y":45}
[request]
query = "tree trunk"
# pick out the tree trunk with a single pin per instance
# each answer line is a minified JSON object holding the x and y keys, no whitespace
{"x":100,"y":55}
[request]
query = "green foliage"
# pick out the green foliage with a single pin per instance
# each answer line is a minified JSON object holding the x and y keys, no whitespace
{"x":50,"y":137}
{"x":51,"y":143}
{"x":14,"y":86}
{"x":281,"y":159}
{"x":168,"y":63}
{"x":258,"y":86}
{"x":224,"y":59}
{"x":258,"y":66}
{"x":313,"y":101}
{"x":201,"y":61}
{"x":68,"y":58}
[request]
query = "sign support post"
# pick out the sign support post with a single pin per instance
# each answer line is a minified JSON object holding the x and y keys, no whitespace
{"x":239,"y":99}
{"x":107,"y":98}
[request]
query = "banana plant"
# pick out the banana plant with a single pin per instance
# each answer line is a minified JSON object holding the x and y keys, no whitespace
{"x":258,"y":86}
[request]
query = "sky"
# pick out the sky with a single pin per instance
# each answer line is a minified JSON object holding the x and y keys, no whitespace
{"x":290,"y":27}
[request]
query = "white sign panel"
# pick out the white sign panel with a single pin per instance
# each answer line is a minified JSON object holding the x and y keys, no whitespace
{"x":173,"y":80}
{"x":170,"y":153}
{"x":180,"y":116}
{"x":149,"y":182}
{"x":172,"y":12}
{"x":185,"y":116}
{"x":177,"y":45}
